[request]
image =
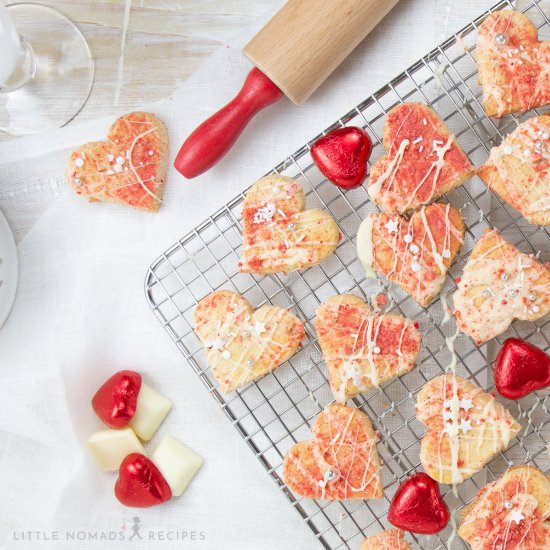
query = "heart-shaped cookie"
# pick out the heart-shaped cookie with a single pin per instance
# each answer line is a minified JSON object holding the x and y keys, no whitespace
{"x":363,"y":349}
{"x":511,"y":513}
{"x":242,"y":344}
{"x":340,"y":461}
{"x":521,"y":368}
{"x":342,"y":156}
{"x":513,"y":66}
{"x":129,"y":168}
{"x":116,"y":401}
{"x":424,"y":160}
{"x":499,"y":284}
{"x":414,"y":254}
{"x":467,"y":428}
{"x":279,"y":235}
{"x":393,"y":539}
{"x":519,"y":169}
{"x":140,"y":483}
{"x":418,"y":506}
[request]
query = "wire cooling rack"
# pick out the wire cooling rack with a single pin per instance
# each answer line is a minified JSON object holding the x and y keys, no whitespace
{"x":277,"y":411}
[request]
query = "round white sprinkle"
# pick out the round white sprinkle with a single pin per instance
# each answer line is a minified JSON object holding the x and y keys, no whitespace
{"x":111,"y":157}
{"x":486,"y":293}
{"x":226,"y":354}
{"x":408,"y":238}
{"x":77,"y":180}
{"x":507,"y":504}
{"x":110,"y":172}
{"x":376,"y":349}
{"x":532,"y":296}
{"x":249,"y":362}
{"x":504,"y":276}
{"x":446,"y":253}
{"x":501,"y":38}
{"x":415,"y":267}
{"x":414,"y":249}
{"x":539,"y":145}
{"x":507,"y":149}
{"x":526,"y":153}
{"x":117,"y":168}
{"x":151,"y":153}
{"x":536,"y":309}
{"x":292,"y":225}
{"x":513,"y":293}
{"x":79,"y":162}
{"x":120,"y":160}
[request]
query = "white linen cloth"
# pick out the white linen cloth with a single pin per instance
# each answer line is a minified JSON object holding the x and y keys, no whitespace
{"x":80,"y":312}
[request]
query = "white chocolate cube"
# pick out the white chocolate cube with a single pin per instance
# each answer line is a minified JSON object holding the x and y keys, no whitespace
{"x":177,"y":463}
{"x":111,"y":447}
{"x":151,"y":410}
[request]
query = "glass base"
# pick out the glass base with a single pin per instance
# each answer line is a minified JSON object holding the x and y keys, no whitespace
{"x":64,"y":72}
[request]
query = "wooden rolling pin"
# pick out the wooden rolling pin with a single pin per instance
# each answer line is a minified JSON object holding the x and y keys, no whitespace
{"x":294,"y":54}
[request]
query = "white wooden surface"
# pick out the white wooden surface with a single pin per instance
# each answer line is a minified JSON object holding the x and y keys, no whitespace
{"x":167,"y":40}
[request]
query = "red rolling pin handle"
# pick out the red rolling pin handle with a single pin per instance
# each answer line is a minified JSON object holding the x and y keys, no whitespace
{"x":215,"y":136}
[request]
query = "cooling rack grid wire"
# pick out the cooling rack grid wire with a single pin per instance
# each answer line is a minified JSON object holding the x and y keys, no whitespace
{"x":277,"y":411}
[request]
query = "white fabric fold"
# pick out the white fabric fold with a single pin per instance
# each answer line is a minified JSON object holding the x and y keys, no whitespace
{"x":80,"y":312}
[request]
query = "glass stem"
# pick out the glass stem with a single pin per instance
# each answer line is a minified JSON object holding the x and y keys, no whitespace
{"x":25,"y":71}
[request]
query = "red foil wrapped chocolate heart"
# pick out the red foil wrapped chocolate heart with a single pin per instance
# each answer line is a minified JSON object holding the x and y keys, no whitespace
{"x":342,"y":156}
{"x":418,"y":506}
{"x":520,"y":369}
{"x":140,"y":483}
{"x":115,"y":402}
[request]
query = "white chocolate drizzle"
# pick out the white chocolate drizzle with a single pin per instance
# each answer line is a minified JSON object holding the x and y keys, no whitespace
{"x":411,"y":253}
{"x":476,"y":426}
{"x":343,"y":440}
{"x":436,"y":166}
{"x":365,"y":247}
{"x":499,"y":61}
{"x":362,"y":358}
{"x":497,"y":286}
{"x":239,"y":344}
{"x":389,"y":173}
{"x":526,"y":189}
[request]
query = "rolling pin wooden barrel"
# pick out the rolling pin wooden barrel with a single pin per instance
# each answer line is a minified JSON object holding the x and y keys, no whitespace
{"x":293,"y":55}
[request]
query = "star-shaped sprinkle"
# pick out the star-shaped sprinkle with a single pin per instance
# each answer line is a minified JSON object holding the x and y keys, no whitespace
{"x":265,"y":213}
{"x":259,"y":327}
{"x":452,"y":429}
{"x":515,"y":515}
{"x":465,"y":425}
{"x":392,"y":226}
{"x":466,"y":404}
